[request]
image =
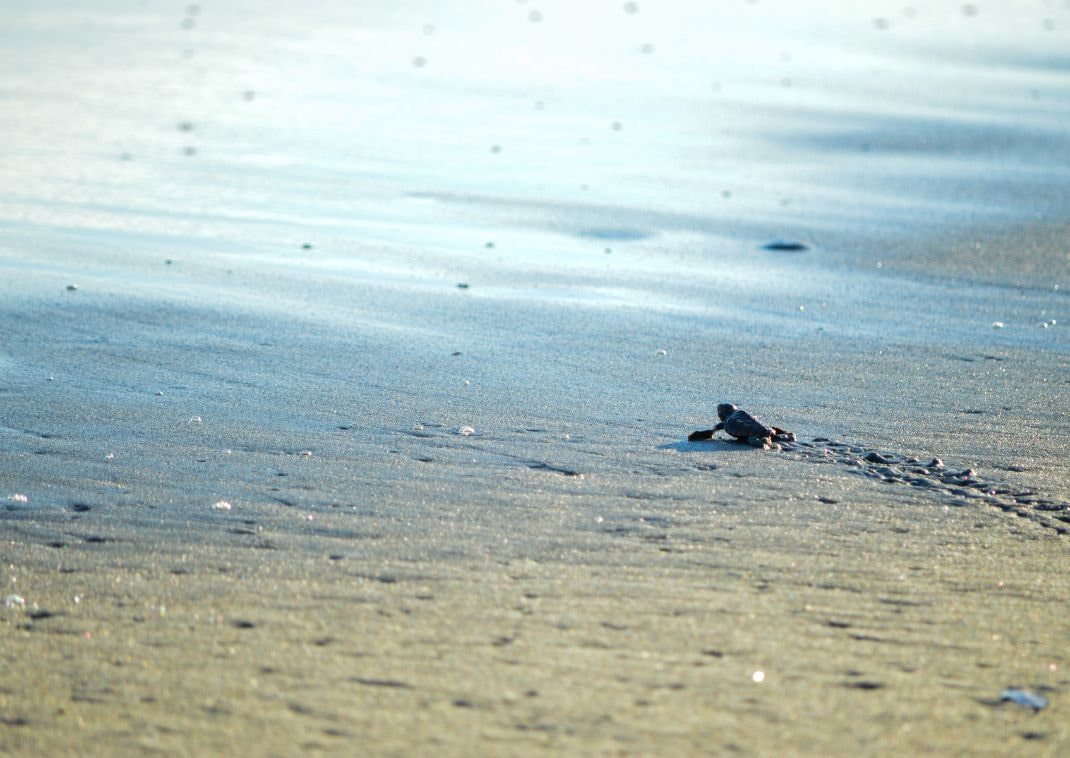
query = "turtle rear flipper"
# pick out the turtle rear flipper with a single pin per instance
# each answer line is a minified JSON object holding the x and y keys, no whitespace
{"x":780,"y":435}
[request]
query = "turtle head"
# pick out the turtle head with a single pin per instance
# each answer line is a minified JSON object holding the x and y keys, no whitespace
{"x":724,"y":410}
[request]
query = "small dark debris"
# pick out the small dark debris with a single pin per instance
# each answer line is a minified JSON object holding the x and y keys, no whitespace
{"x":838,"y":624}
{"x":786,"y":246}
{"x":57,"y":544}
{"x":877,"y":458}
{"x":242,"y":624}
{"x":713,"y":653}
{"x":79,"y":507}
{"x":462,"y":285}
{"x":41,"y":614}
{"x":382,"y":683}
{"x":306,"y":246}
{"x":464,"y":703}
{"x":456,"y":353}
{"x":864,"y":685}
{"x":827,"y":500}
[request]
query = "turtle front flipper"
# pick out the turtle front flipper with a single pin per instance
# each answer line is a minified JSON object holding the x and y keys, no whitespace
{"x":703,"y":434}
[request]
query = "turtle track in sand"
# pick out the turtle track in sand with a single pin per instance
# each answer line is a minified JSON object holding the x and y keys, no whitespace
{"x":958,"y":488}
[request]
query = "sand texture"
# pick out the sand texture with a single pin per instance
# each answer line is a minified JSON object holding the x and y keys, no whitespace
{"x":349,"y":352}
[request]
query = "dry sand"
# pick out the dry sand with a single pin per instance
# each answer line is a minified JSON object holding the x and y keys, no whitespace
{"x":231,"y":244}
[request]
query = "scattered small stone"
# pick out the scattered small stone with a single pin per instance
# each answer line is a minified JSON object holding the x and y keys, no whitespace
{"x":306,"y":246}
{"x":72,"y":287}
{"x":661,"y":352}
{"x":462,"y":285}
{"x":877,"y":458}
{"x":1024,"y":698}
{"x":466,"y":431}
{"x":997,"y":324}
{"x":785,"y":246}
{"x":222,"y":505}
{"x":18,"y":498}
{"x":935,"y":463}
{"x":14,"y":601}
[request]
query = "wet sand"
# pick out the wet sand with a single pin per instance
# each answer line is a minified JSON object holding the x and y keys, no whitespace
{"x":324,"y":429}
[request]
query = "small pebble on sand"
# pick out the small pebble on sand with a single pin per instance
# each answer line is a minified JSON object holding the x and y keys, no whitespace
{"x":997,"y":324}
{"x":786,"y":246}
{"x":222,"y":505}
{"x":466,"y":431}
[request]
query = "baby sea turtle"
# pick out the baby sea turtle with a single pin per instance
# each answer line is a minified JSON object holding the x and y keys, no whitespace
{"x":744,"y":427}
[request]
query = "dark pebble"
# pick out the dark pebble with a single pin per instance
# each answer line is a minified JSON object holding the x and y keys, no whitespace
{"x":935,"y":463}
{"x":877,"y":458}
{"x":784,"y":246}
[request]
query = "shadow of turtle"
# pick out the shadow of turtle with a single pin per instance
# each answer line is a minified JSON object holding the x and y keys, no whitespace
{"x":707,"y":446}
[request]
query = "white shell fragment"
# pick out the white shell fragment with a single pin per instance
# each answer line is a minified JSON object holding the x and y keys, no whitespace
{"x":14,"y":601}
{"x":1024,"y":698}
{"x":466,"y":431}
{"x":222,"y":505}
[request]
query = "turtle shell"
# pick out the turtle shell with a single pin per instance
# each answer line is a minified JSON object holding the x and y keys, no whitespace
{"x":742,"y":425}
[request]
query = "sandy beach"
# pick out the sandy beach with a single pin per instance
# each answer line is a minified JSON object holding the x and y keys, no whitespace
{"x":348,"y":358}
